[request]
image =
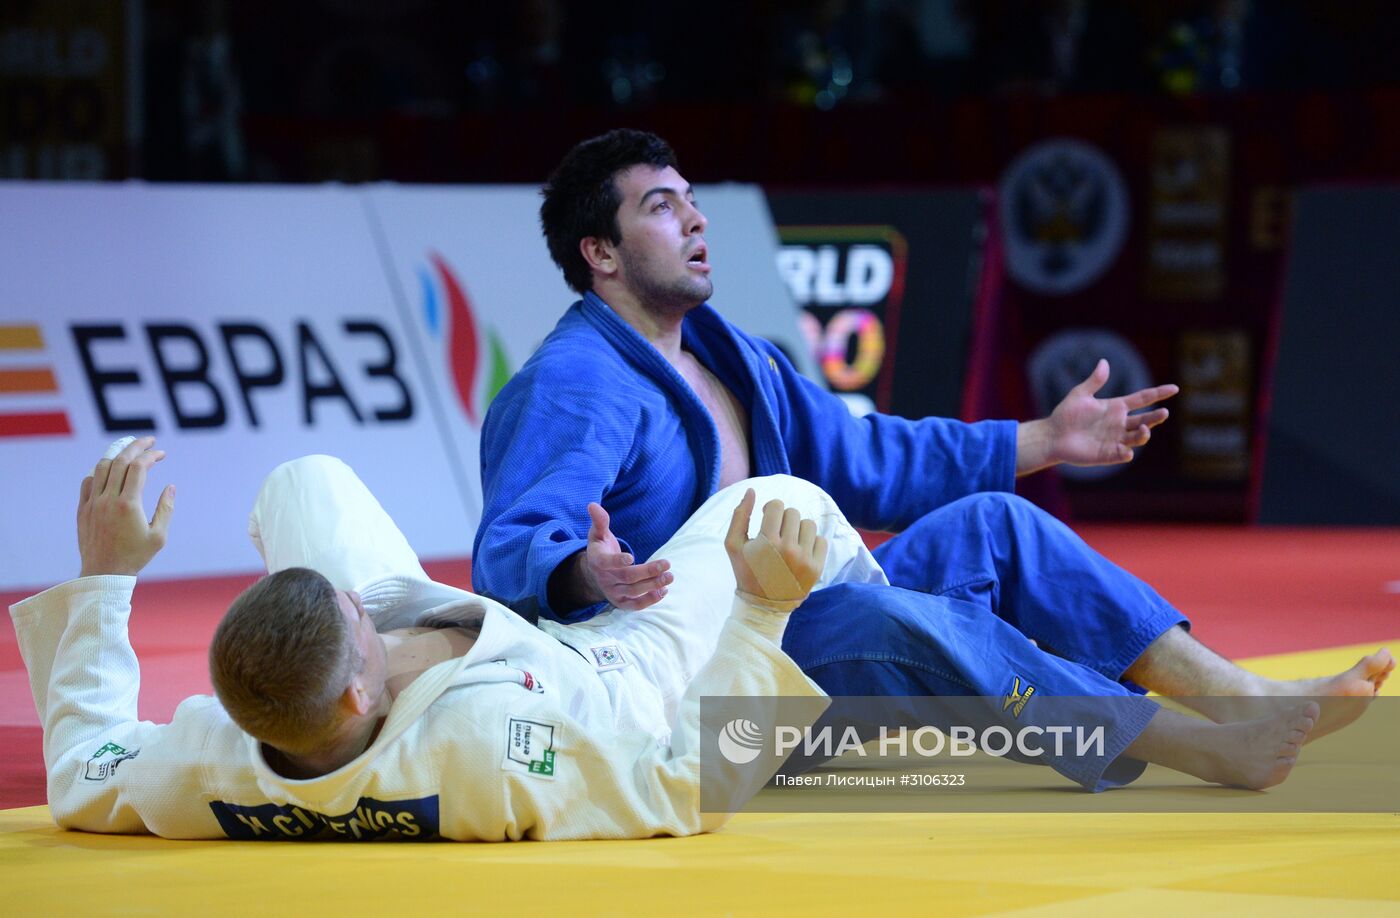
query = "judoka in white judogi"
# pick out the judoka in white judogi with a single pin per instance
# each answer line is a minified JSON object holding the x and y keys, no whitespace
{"x":589,"y":731}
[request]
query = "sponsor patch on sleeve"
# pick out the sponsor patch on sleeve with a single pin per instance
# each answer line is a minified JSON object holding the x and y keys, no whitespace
{"x":530,"y":747}
{"x":104,"y":762}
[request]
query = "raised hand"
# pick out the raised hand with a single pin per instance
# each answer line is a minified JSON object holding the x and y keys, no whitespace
{"x":610,"y":573}
{"x":783,"y":561}
{"x":114,"y":536}
{"x":1085,"y":430}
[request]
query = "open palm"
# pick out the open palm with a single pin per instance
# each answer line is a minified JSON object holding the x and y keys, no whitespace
{"x":1088,"y":430}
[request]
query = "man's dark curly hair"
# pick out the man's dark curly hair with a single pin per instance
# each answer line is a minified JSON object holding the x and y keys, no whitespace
{"x":581,"y":197}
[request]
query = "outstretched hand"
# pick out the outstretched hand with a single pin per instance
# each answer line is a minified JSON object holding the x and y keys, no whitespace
{"x":784,"y":560}
{"x":1085,"y":430}
{"x":611,"y":574}
{"x":114,"y":536}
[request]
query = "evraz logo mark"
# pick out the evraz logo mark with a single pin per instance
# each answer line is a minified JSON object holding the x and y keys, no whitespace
{"x":27,"y":386}
{"x":740,"y":741}
{"x":449,"y":317}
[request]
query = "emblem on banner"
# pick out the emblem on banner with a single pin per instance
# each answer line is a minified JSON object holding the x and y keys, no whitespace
{"x":1064,"y":212}
{"x":449,"y":316}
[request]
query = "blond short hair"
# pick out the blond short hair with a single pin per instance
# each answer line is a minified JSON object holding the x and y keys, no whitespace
{"x":281,"y":659}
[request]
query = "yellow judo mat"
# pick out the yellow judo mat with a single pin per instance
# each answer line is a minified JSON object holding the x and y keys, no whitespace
{"x":1137,"y":864}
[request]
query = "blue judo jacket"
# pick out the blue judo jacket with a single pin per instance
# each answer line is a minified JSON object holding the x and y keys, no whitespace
{"x":597,"y":414}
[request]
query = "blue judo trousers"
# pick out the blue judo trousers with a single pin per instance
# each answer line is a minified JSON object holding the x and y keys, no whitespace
{"x":991,"y":596}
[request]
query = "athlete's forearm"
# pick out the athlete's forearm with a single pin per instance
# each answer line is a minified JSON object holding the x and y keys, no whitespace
{"x":1034,"y":441}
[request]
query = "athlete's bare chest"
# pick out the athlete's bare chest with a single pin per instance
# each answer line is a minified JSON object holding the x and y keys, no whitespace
{"x":410,"y":652}
{"x":731,"y":420}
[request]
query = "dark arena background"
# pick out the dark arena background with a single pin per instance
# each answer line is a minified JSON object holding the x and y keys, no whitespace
{"x":260,"y":230}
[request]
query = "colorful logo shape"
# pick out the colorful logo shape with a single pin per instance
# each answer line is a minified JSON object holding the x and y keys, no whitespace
{"x":450,"y":319}
{"x":27,"y":381}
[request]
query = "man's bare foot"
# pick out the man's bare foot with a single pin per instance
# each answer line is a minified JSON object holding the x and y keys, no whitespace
{"x":1261,"y":753}
{"x":1363,"y":680}
{"x":1342,"y":698}
{"x":1255,"y":753}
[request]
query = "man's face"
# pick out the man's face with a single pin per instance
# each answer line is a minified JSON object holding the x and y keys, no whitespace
{"x":663,"y":259}
{"x":367,"y":641}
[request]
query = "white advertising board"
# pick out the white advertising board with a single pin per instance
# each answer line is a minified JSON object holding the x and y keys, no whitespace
{"x":245,"y":326}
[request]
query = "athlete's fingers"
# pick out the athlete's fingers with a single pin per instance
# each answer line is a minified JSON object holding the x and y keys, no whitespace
{"x":1095,"y":380}
{"x":772,"y":520}
{"x":636,"y":573}
{"x":602,"y":557}
{"x":135,"y":448}
{"x":84,"y":505}
{"x":1153,"y":418}
{"x":165,"y":509}
{"x":598,"y":531}
{"x":821,"y":546}
{"x":1146,"y":418}
{"x":792,"y":521}
{"x":1144,"y":397}
{"x":806,"y":535}
{"x":133,"y":473}
{"x":642,"y":587}
{"x":116,"y":478}
{"x":641,"y":602}
{"x":738,"y":532}
{"x":100,"y":473}
{"x":136,"y":473}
